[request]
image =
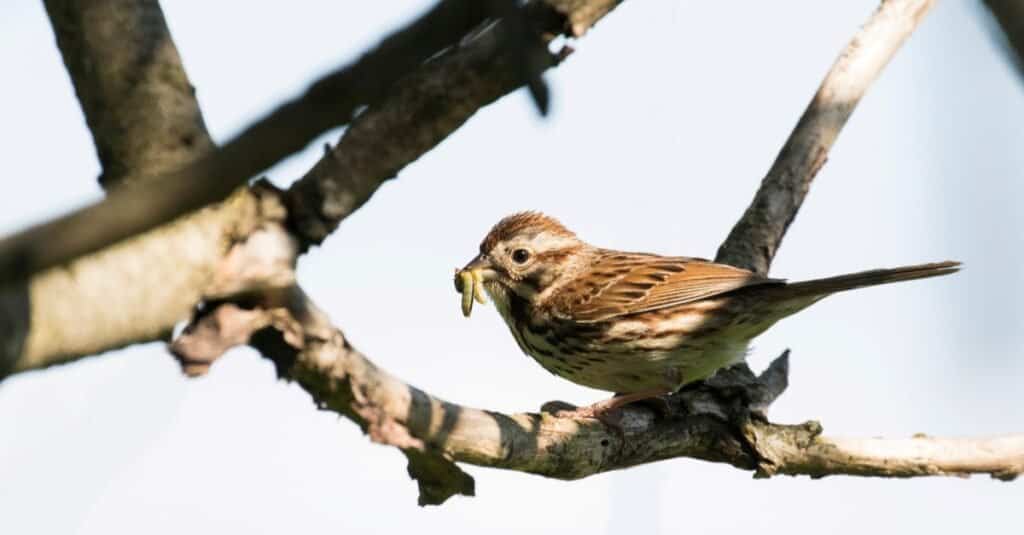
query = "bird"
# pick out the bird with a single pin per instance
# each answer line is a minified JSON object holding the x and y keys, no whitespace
{"x":639,"y":325}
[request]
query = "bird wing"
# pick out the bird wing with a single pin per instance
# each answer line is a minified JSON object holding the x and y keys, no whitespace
{"x":618,"y":284}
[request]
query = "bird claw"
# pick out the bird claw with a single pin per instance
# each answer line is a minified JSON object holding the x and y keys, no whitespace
{"x":609,"y":411}
{"x":610,"y":416}
{"x":659,"y":404}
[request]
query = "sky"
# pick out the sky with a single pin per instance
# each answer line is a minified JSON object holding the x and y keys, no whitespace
{"x":662,"y":125}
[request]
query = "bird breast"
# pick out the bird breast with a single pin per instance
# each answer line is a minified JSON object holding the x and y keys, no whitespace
{"x":650,"y":351}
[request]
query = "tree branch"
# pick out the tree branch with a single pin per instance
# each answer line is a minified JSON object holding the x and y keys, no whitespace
{"x":1009,"y":14}
{"x":137,"y":99}
{"x":392,"y":412}
{"x":144,"y":120}
{"x":722,"y":421}
{"x":166,"y":272}
{"x":422,"y":110}
{"x":756,"y":237}
{"x":254,"y":300}
{"x":921,"y":455}
{"x":418,"y":113}
{"x":330,"y":102}
{"x":135,"y":291}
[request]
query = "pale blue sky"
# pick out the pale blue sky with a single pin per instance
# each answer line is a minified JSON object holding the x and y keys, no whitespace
{"x":662,"y":125}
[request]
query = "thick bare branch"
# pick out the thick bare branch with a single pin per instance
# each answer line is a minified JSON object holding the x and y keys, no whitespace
{"x":144,"y":120}
{"x":754,"y":240}
{"x":329,"y":102}
{"x":128,"y":76}
{"x":133,"y":292}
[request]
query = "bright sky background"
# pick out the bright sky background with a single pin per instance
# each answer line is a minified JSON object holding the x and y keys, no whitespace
{"x":662,"y":126}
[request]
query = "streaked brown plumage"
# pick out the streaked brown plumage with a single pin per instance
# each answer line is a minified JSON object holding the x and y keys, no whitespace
{"x":635,"y":323}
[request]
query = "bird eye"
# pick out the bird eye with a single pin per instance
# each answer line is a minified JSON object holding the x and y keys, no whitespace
{"x":520,"y":256}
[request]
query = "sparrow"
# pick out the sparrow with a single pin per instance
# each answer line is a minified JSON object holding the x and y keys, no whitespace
{"x":640,"y":325}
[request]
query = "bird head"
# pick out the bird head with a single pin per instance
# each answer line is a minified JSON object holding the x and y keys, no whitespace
{"x":524,"y":254}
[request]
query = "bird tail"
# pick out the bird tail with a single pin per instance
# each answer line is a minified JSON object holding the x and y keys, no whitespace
{"x":830,"y":285}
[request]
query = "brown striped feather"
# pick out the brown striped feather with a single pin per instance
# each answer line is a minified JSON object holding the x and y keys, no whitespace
{"x":619,"y":284}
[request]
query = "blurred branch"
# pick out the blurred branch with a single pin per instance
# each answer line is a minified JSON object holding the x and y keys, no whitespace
{"x":133,"y":292}
{"x":756,"y":237}
{"x":137,"y":99}
{"x":144,"y":120}
{"x":137,"y":290}
{"x":330,"y":102}
{"x":1009,"y":14}
{"x":419,"y":112}
{"x":424,"y":108}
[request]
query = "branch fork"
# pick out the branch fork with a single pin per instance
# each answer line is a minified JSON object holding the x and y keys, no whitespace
{"x":399,"y":101}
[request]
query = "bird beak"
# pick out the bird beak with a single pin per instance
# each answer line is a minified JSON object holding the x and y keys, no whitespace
{"x":469,"y":282}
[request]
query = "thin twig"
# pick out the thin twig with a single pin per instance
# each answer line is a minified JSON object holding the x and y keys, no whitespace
{"x":756,"y":237}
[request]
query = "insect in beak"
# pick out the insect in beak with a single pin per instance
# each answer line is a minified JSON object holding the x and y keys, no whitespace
{"x":469,"y":281}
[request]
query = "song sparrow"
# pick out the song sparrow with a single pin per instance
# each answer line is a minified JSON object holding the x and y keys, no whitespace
{"x":637,"y":324}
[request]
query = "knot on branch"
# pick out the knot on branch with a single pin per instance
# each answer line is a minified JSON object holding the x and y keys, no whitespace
{"x":742,"y":399}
